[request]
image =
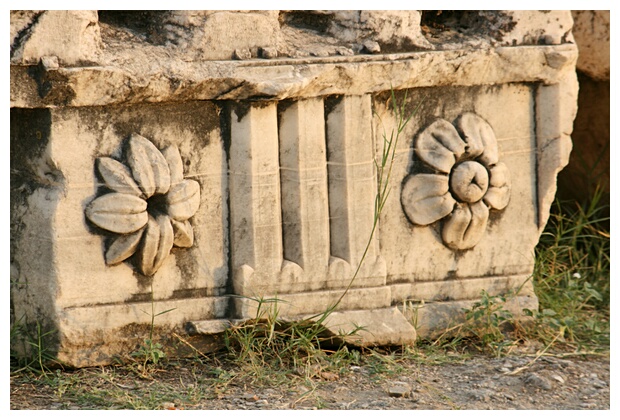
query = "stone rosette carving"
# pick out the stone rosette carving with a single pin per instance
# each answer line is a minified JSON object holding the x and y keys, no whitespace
{"x":147,"y":205}
{"x":468,"y":180}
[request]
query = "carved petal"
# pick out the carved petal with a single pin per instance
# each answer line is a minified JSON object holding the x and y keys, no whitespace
{"x":117,"y":176}
{"x":123,"y":247}
{"x":426,"y":199}
{"x":148,"y":166}
{"x":118,"y":213}
{"x":183,"y":200}
{"x":175,"y":163}
{"x":156,"y":244}
{"x":183,"y":233}
{"x":499,"y":175}
{"x":465,"y":226}
{"x":439,"y":145}
{"x":498,"y":195}
{"x":467,"y":126}
{"x":476,"y":131}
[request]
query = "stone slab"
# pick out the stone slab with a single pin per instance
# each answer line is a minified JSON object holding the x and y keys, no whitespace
{"x":311,"y":303}
{"x":58,"y":257}
{"x":378,"y":327}
{"x":96,"y":335}
{"x":165,"y":80}
{"x":459,"y":289}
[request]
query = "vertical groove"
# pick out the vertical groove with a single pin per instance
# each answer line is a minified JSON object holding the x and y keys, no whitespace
{"x":303,"y":174}
{"x":352,"y":178}
{"x":255,"y":189}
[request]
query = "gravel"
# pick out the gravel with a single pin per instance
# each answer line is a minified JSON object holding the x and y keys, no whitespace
{"x":480,"y":383}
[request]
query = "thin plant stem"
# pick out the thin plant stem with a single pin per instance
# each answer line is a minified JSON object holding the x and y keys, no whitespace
{"x":383,"y":187}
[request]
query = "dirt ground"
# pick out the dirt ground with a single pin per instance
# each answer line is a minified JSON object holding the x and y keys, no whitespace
{"x":479,"y":383}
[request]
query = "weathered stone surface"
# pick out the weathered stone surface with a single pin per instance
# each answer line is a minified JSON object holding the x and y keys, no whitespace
{"x":183,"y":200}
{"x":71,"y":35}
{"x":158,"y":238}
{"x":458,"y":29}
{"x":461,"y":289}
{"x":459,"y":192}
{"x":416,"y":252}
{"x":216,"y":35}
{"x":158,"y":201}
{"x":294,"y":305}
{"x":97,"y":295}
{"x":118,"y":213}
{"x":214,"y":326}
{"x":554,"y":125}
{"x":391,"y":30}
{"x":291,"y":231}
{"x":352,"y":178}
{"x":148,"y":166}
{"x":426,"y":198}
{"x":303,"y":178}
{"x":117,"y":176}
{"x":534,"y":27}
{"x":592,"y":35}
{"x":20,"y":20}
{"x":357,"y":75}
{"x":381,"y":327}
{"x":166,"y":170}
{"x":94,"y":335}
{"x":465,"y":226}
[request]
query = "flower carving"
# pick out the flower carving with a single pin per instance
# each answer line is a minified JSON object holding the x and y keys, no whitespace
{"x":467,"y":180}
{"x":147,"y":204}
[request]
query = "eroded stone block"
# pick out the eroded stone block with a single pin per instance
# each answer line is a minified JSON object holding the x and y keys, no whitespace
{"x":159,"y":178}
{"x":96,"y":251}
{"x":381,"y":327}
{"x":71,"y":35}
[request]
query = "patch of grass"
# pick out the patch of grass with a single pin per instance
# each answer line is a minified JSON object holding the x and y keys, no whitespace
{"x":382,"y":364}
{"x":151,"y":352}
{"x":572,"y":276}
{"x":36,"y":353}
{"x":121,"y":387}
{"x":487,"y":323}
{"x":269,"y":348}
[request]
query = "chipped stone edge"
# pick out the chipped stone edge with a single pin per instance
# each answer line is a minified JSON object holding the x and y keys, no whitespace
{"x":285,"y":78}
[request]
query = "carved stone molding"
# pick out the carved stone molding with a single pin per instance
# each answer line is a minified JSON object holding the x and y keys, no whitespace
{"x":467,"y":180}
{"x":146,"y":205}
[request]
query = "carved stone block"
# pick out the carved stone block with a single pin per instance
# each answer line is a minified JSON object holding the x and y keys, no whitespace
{"x":99,"y":213}
{"x":147,"y":175}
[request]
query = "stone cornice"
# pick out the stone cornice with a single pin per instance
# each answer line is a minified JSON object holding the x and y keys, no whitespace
{"x":173,"y":81}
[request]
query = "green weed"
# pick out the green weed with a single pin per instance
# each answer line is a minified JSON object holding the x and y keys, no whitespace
{"x":151,"y":351}
{"x":36,"y":352}
{"x":267,"y":344}
{"x":487,"y":322}
{"x":572,"y":275}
